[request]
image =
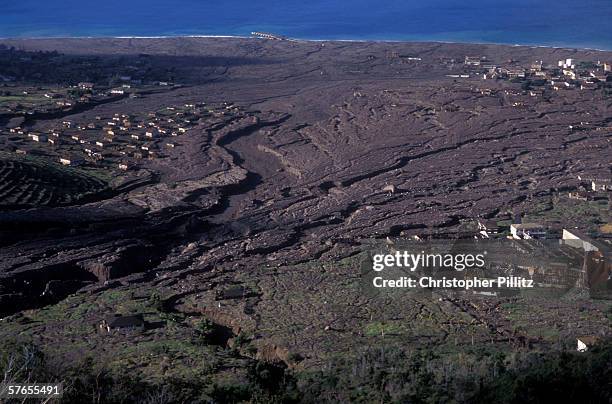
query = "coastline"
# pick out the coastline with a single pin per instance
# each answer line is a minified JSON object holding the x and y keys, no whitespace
{"x":348,"y":40}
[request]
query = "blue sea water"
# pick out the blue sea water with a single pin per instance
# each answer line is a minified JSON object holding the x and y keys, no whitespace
{"x":571,"y":23}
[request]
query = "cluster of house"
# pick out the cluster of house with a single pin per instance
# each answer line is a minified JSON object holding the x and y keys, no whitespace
{"x":558,"y":259}
{"x":124,"y":86}
{"x":489,"y":70}
{"x":60,"y":99}
{"x":533,"y":231}
{"x":55,"y":99}
{"x":518,"y":231}
{"x":593,"y":268}
{"x":565,"y":75}
{"x":123,"y":137}
{"x":568,"y":75}
{"x":119,"y":90}
{"x":592,"y":189}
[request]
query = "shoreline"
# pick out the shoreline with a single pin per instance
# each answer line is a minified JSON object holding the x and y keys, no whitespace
{"x":393,"y":41}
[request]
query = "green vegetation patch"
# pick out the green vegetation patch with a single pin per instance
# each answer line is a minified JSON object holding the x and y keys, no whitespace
{"x":27,"y":181}
{"x":380,"y":329}
{"x":593,"y":214}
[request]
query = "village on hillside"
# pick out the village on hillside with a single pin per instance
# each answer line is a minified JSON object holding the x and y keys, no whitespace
{"x":119,"y":141}
{"x":568,"y":74}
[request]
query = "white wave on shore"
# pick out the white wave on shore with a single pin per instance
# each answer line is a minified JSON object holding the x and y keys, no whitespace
{"x":566,"y":47}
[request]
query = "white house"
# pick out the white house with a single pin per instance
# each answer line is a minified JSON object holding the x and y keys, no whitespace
{"x":576,"y":239}
{"x":488,"y":228}
{"x":69,"y":161}
{"x":38,"y":138}
{"x":86,"y":85}
{"x":586,"y":342}
{"x":528,"y":231}
{"x":601,"y":185}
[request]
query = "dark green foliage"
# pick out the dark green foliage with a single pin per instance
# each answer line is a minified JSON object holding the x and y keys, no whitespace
{"x":75,"y":92}
{"x":241,"y":340}
{"x":21,"y":363}
{"x":231,"y":393}
{"x":295,"y":357}
{"x":156,"y":302}
{"x":378,"y":374}
{"x":568,"y":377}
{"x":272,"y":383}
{"x":393,"y":375}
{"x":205,"y":330}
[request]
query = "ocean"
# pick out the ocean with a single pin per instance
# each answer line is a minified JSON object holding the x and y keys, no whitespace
{"x":562,"y":23}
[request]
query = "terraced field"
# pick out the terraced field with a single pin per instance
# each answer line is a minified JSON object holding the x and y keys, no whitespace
{"x":30,"y":182}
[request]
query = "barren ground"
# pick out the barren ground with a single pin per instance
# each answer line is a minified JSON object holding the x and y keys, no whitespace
{"x":277,"y":200}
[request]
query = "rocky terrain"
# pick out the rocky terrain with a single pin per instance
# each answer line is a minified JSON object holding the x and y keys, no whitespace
{"x":257,"y":223}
